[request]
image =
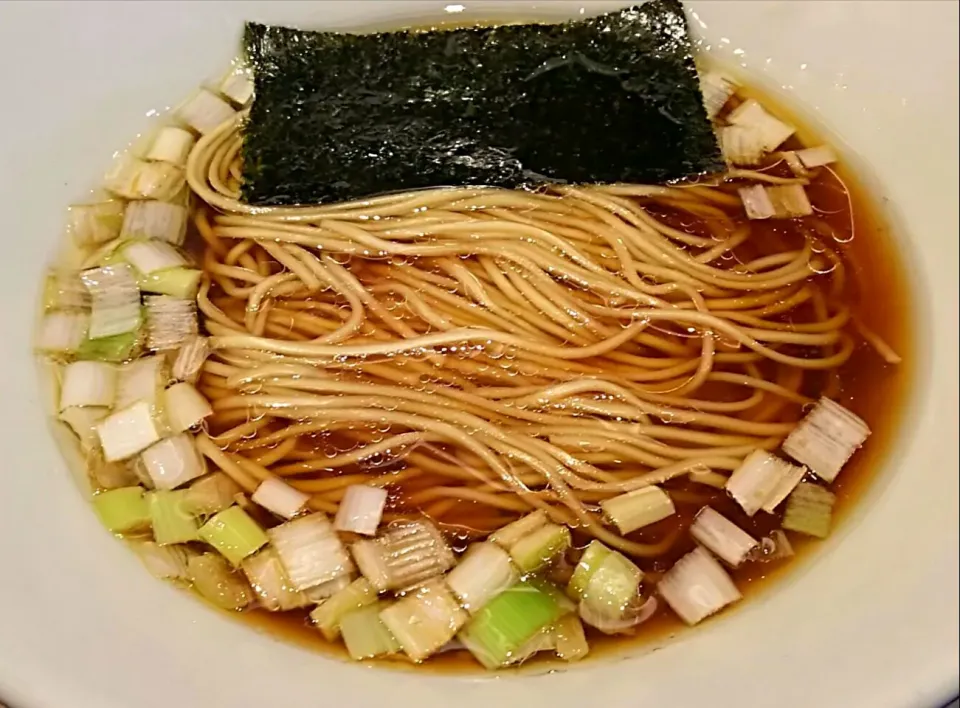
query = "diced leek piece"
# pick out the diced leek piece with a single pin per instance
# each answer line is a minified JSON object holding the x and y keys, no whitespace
{"x":319,"y":593}
{"x":310,"y":551}
{"x":123,"y":510}
{"x":176,"y":282}
{"x":237,"y":85}
{"x":151,"y":219}
{"x":164,"y":562}
{"x":173,"y":462}
{"x":118,"y":348}
{"x":756,"y":202}
{"x":62,"y":332}
{"x":521,"y":528}
{"x":809,"y":510}
{"x":170,"y":321}
{"x":408,"y":553}
{"x":424,"y":620}
{"x":141,"y":380}
{"x":826,"y":438}
{"x":153,"y":256}
{"x":185,"y":408}
{"x":697,"y":586}
{"x":110,"y":475}
{"x":365,"y":635}
{"x":540,"y":548}
{"x":127,"y":431}
{"x":725,"y":539}
{"x":717,"y":90}
{"x":483,"y":572}
{"x":499,"y":631}
{"x":591,"y":559}
{"x":83,"y":421}
{"x":278,"y":497}
{"x":171,"y":145}
{"x":789,"y":201}
{"x":816,"y":156}
{"x":270,"y":583}
{"x":544,"y":640}
{"x":759,"y":481}
{"x":64,"y":291}
{"x":205,"y":111}
{"x":790,"y":476}
{"x":210,"y":494}
{"x":193,"y":353}
{"x":606,"y":581}
{"x":218,"y":582}
{"x":741,"y":145}
{"x":132,"y":178}
{"x":171,"y":520}
{"x":639,"y":508}
{"x":751,"y":114}
{"x":360,"y":509}
{"x":93,"y":224}
{"x":234,"y":534}
{"x":570,"y":638}
{"x":88,"y":383}
{"x":359,"y":593}
{"x":116,"y":300}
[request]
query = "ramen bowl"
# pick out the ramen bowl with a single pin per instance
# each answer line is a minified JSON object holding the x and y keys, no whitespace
{"x":867,"y":619}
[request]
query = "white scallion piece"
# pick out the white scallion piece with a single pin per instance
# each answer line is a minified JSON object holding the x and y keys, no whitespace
{"x":327,"y":615}
{"x":88,"y":383}
{"x":697,"y":587}
{"x":171,"y":321}
{"x":360,"y":509}
{"x":205,"y":111}
{"x":185,"y":408}
{"x":408,"y":553}
{"x":62,"y":332}
{"x":173,"y":462}
{"x":483,"y":572}
{"x":789,"y":201}
{"x":270,"y":583}
{"x":93,"y":224}
{"x":826,"y":438}
{"x":132,"y":178}
{"x":141,"y":380}
{"x":151,"y":219}
{"x":193,"y":352}
{"x":172,"y":145}
{"x":760,"y":479}
{"x":310,"y":551}
{"x":741,"y":144}
{"x":63,"y":290}
{"x":639,"y":508}
{"x":816,"y":156}
{"x":278,"y":497}
{"x":508,"y":536}
{"x":164,"y":562}
{"x":790,"y":477}
{"x":83,"y":421}
{"x":150,"y":257}
{"x":717,"y":90}
{"x":319,"y":593}
{"x":721,"y":536}
{"x":127,"y":431}
{"x":237,"y":85}
{"x":756,"y":202}
{"x":116,"y":300}
{"x":425,"y":620}
{"x":751,"y":114}
{"x":211,"y":494}
{"x":809,"y":510}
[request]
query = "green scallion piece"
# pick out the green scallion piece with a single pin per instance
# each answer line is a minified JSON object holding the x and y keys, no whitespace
{"x":540,"y":548}
{"x":123,"y":510}
{"x":809,"y":510}
{"x":234,"y":534}
{"x":171,"y":518}
{"x":177,"y":282}
{"x":327,"y":616}
{"x":365,"y":636}
{"x":217,"y":582}
{"x":119,"y":347}
{"x":589,"y":562}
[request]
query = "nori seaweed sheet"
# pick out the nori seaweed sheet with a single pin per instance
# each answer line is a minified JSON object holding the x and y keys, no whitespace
{"x":614,"y":98}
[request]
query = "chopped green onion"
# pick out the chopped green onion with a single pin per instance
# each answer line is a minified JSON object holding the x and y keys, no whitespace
{"x":310,"y":551}
{"x":92,"y":224}
{"x":424,"y":620}
{"x":88,"y":383}
{"x":498,"y":632}
{"x":483,"y":572}
{"x":173,"y":462}
{"x":193,"y":352}
{"x":132,"y":178}
{"x":141,"y":380}
{"x":237,"y":85}
{"x":592,"y":558}
{"x":750,"y":114}
{"x":110,"y":475}
{"x":697,"y":586}
{"x":570,"y":638}
{"x":176,"y":282}
{"x":790,"y":476}
{"x":359,"y":593}
{"x":741,"y":145}
{"x":62,"y":332}
{"x":757,"y":482}
{"x":153,"y":256}
{"x":218,"y":583}
{"x":319,"y":593}
{"x":205,"y":111}
{"x":606,"y":581}
{"x":408,"y":553}
{"x":83,"y":421}
{"x":826,"y":438}
{"x":127,"y":431}
{"x":164,"y":562}
{"x":234,"y":534}
{"x":816,"y":156}
{"x":123,"y":510}
{"x":170,"y":518}
{"x":170,"y":321}
{"x":65,"y":291}
{"x":360,"y":509}
{"x":365,"y":635}
{"x":172,"y":144}
{"x":519,"y":529}
{"x":118,"y":348}
{"x":155,"y":220}
{"x":809,"y":510}
{"x":717,"y":90}
{"x":540,"y":548}
{"x":276,"y":496}
{"x":724,"y":538}
{"x":210,"y":494}
{"x":639,"y":508}
{"x":270,"y":583}
{"x":185,"y":407}
{"x":116,"y":300}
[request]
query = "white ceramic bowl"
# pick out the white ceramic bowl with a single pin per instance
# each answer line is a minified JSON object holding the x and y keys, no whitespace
{"x":870,"y":620}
